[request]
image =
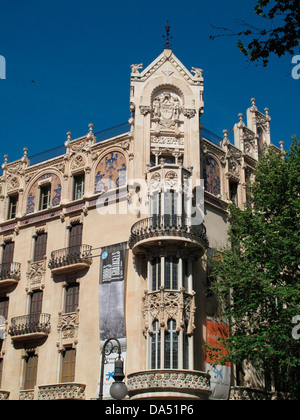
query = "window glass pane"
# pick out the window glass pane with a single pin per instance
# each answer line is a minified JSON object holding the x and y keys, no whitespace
{"x":155,"y":347}
{"x":156,"y":274}
{"x":45,"y":197}
{"x":171,"y":346}
{"x":12,"y":210}
{"x":78,"y":186}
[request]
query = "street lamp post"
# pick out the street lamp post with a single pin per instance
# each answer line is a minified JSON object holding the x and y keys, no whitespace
{"x":118,"y":390}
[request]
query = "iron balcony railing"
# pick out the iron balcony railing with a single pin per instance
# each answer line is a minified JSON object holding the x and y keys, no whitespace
{"x":69,"y":256}
{"x":29,"y":324}
{"x":10,"y":271}
{"x":167,"y":225}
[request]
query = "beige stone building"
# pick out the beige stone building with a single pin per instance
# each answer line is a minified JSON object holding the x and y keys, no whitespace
{"x":121,"y":223}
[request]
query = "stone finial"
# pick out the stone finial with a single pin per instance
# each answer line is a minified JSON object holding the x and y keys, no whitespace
{"x":267,"y":114}
{"x":253,"y":107}
{"x":4,"y":166}
{"x":225,"y":137}
{"x":91,"y":126}
{"x":281,"y":146}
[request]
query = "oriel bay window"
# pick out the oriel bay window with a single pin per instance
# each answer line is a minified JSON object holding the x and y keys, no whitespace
{"x":171,"y":272}
{"x":169,"y":347}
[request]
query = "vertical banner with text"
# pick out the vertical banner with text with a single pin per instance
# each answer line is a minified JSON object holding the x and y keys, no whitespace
{"x":111,"y":305}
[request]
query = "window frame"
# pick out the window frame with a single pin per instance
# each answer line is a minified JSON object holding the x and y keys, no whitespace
{"x":43,"y":205}
{"x":81,"y":184}
{"x":68,"y":366}
{"x":12,"y":206}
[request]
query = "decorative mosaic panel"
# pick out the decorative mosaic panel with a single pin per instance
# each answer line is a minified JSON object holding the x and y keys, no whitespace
{"x":211,"y":176}
{"x":34,"y":193}
{"x":110,"y":172}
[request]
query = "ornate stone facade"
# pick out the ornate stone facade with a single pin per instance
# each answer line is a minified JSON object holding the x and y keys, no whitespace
{"x":140,"y":183}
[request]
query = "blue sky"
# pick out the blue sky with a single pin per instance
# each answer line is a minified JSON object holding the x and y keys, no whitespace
{"x":79,"y":53}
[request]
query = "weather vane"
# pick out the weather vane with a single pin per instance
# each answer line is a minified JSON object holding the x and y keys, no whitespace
{"x":167,"y":36}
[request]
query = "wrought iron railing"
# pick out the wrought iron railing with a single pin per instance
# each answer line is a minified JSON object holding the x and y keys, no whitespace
{"x":167,"y":225}
{"x":68,"y":256}
{"x":29,"y":324}
{"x":10,"y":271}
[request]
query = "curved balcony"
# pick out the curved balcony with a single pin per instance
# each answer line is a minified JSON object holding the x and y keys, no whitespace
{"x":70,"y":259}
{"x":168,"y":384}
{"x":10,"y":274}
{"x":168,"y":228}
{"x":29,"y":327}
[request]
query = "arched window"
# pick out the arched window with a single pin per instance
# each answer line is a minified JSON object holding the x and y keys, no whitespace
{"x":110,"y":172}
{"x":155,"y":346}
{"x":171,"y":346}
{"x":44,"y":193}
{"x":211,"y":175}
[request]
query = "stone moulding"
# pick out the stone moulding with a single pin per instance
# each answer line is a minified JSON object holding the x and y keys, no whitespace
{"x":63,"y":391}
{"x":196,"y":384}
{"x":239,"y":393}
{"x":169,"y":304}
{"x":4,"y":395}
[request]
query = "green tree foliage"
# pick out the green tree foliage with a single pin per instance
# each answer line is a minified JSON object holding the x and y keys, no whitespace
{"x":258,"y":277}
{"x":279,"y":35}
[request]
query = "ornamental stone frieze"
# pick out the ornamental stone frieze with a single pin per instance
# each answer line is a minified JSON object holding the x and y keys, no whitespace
{"x":4,"y":395}
{"x":67,"y":328}
{"x":184,"y":382}
{"x":65,"y":391}
{"x":164,"y":305}
{"x":36,"y":271}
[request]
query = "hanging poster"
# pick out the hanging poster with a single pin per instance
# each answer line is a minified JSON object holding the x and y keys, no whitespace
{"x":220,"y":375}
{"x":111,"y":305}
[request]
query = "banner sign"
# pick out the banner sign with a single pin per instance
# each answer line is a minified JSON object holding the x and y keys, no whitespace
{"x":2,"y":327}
{"x":220,"y":375}
{"x":111,"y":305}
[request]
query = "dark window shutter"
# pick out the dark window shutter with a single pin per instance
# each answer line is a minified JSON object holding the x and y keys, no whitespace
{"x":31,"y":363}
{"x":72,"y":298}
{"x":4,"y":306}
{"x":68,"y":365}
{"x":36,"y":302}
{"x":75,"y":236}
{"x":40,"y":247}
{"x":8,"y":253}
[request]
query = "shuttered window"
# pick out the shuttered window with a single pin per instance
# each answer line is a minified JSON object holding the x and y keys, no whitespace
{"x":68,"y":365}
{"x":75,"y":239}
{"x":40,"y":247}
{"x":36,"y":302}
{"x":1,"y":367}
{"x":8,"y":253}
{"x":7,"y":257}
{"x":31,"y":363}
{"x":72,"y":297}
{"x":4,"y":307}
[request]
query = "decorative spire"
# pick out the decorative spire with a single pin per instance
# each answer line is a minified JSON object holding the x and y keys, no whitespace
{"x":167,"y":36}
